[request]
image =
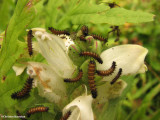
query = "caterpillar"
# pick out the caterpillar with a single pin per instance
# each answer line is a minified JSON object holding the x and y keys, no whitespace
{"x":98,"y":37}
{"x":66,"y":116}
{"x":84,"y":30}
{"x":112,"y":5}
{"x":58,"y":32}
{"x":25,"y":90}
{"x":91,"y":73}
{"x":92,"y":54}
{"x":114,"y":29}
{"x":82,"y":38}
{"x":107,"y":72}
{"x":117,"y":76}
{"x":29,"y":42}
{"x":19,"y":114}
{"x":79,"y":76}
{"x":37,"y":109}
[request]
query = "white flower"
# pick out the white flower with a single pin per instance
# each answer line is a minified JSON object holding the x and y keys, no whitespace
{"x":49,"y":78}
{"x":53,"y":49}
{"x":128,"y":57}
{"x":80,"y":108}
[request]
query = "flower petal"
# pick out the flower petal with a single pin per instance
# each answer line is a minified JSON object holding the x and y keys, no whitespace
{"x":53,"y":49}
{"x":18,"y":69}
{"x":49,"y":83}
{"x":108,"y":91}
{"x":128,"y":57}
{"x":81,"y":108}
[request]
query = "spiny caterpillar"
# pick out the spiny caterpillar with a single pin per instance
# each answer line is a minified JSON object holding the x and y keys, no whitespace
{"x":98,"y":37}
{"x":29,"y":42}
{"x":91,"y":73}
{"x":25,"y":90}
{"x":19,"y":114}
{"x":58,"y":32}
{"x":117,"y":76}
{"x":84,"y":30}
{"x":107,"y":72}
{"x":79,"y":76}
{"x":66,"y":116}
{"x":114,"y":29}
{"x":92,"y":54}
{"x":37,"y":109}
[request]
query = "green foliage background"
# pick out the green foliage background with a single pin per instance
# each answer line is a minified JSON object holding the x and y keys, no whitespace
{"x":139,"y":101}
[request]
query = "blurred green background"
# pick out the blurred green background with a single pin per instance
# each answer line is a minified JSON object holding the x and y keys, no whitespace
{"x":143,"y":100}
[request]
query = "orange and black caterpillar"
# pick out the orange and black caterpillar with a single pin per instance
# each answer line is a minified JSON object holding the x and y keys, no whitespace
{"x":66,"y":116}
{"x":79,"y":76}
{"x":84,"y":30}
{"x":37,"y":109}
{"x":91,"y":73}
{"x":92,"y":54}
{"x":25,"y":90}
{"x":19,"y":114}
{"x":117,"y":76}
{"x":58,"y":32}
{"x":98,"y":37}
{"x":29,"y":42}
{"x":107,"y":72}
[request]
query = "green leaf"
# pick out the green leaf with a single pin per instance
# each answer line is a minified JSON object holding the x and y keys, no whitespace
{"x":115,"y":16}
{"x":4,"y":13}
{"x":12,"y":48}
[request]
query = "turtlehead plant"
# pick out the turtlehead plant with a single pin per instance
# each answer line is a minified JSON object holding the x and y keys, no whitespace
{"x":103,"y":83}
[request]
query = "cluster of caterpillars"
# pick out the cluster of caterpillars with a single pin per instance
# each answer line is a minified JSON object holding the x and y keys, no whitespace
{"x":85,"y":33}
{"x":91,"y":75}
{"x":92,"y":64}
